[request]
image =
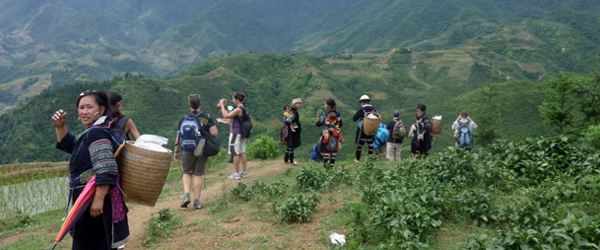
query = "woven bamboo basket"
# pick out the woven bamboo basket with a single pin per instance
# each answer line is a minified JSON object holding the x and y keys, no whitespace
{"x":370,"y":125}
{"x":143,"y":173}
{"x":436,"y":126}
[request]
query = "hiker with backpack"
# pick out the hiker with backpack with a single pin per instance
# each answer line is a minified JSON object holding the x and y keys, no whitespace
{"x":292,"y":123}
{"x":331,"y":137}
{"x":104,"y":224}
{"x":237,"y":141}
{"x":397,"y":131}
{"x":361,"y":137}
{"x":126,"y":124}
{"x":421,"y":134}
{"x":193,"y":133}
{"x":463,"y":129}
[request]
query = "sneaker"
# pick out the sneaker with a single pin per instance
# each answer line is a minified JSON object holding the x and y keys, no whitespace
{"x":200,"y":147}
{"x":197,"y":204}
{"x":244,"y":174}
{"x":357,"y":161}
{"x":295,"y":163}
{"x":235,"y":176}
{"x":186,"y":200}
{"x":230,"y":160}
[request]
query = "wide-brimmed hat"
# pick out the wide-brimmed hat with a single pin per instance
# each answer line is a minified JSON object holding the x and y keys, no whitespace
{"x":297,"y":100}
{"x":364,"y":98}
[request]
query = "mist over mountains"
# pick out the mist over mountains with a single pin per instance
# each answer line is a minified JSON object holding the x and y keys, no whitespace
{"x":47,"y":43}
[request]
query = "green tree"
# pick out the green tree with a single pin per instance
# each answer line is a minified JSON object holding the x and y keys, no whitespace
{"x":489,"y":115}
{"x":559,"y":106}
{"x":588,"y":99}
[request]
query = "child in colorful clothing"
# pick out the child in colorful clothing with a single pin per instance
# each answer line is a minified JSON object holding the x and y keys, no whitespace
{"x":284,"y":129}
{"x":331,"y":137}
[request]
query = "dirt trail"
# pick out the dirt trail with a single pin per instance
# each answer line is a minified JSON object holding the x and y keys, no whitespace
{"x":233,"y":229}
{"x":242,"y":227}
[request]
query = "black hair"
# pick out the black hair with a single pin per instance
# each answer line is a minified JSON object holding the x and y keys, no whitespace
{"x":195,"y":103}
{"x":239,"y":96}
{"x":331,"y":103}
{"x":286,"y":106}
{"x":99,"y":96}
{"x":113,"y":99}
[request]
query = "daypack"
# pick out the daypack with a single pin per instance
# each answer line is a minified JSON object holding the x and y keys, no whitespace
{"x":399,"y":131}
{"x":315,"y":153}
{"x":118,"y":130}
{"x":190,"y":132}
{"x":464,"y":138}
{"x":381,"y":136}
{"x":246,"y":123}
{"x":212,"y":146}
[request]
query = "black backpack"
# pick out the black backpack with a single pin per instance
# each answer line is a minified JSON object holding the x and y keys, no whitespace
{"x":117,"y":130}
{"x":246,"y":123}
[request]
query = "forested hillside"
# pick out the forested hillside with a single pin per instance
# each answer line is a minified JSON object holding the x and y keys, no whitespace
{"x":270,"y":81}
{"x":44,"y":44}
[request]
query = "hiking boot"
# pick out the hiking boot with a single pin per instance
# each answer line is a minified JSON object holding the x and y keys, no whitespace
{"x":200,"y":147}
{"x":235,"y":176}
{"x":197,"y":204}
{"x":186,"y":200}
{"x":244,"y":174}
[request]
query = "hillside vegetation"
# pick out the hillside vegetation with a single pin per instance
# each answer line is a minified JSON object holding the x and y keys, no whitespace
{"x":45,"y":44}
{"x":270,"y":81}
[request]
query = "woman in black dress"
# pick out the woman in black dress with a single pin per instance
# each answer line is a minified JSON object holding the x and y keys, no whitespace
{"x":103,"y":225}
{"x":331,"y":137}
{"x":294,"y":131}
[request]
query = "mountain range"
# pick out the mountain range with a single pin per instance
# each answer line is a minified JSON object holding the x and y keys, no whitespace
{"x":47,"y":43}
{"x":400,"y":53}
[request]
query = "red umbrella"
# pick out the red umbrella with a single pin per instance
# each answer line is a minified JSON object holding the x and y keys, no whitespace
{"x":82,"y":202}
{"x":80,"y":205}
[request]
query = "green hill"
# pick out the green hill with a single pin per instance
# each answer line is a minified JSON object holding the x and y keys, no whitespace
{"x":45,"y":44}
{"x":270,"y":81}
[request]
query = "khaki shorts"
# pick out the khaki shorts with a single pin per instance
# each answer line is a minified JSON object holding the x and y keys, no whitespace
{"x":193,"y":165}
{"x":394,"y":150}
{"x":237,"y":144}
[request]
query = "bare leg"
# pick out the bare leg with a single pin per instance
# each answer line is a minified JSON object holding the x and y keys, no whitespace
{"x":198,"y":180}
{"x":187,"y":181}
{"x":236,"y":163}
{"x":244,"y":162}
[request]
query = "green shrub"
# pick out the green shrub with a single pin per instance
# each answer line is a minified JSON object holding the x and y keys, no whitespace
{"x":476,"y":205}
{"x":242,"y":192}
{"x":310,"y":178}
{"x":298,"y":208}
{"x":591,"y":137}
{"x":162,"y":226}
{"x":263,"y":148}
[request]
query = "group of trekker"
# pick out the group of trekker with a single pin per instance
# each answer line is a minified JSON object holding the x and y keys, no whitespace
{"x":196,"y":137}
{"x":388,"y":136}
{"x":104,"y":224}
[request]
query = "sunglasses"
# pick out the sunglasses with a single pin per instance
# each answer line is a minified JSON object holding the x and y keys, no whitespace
{"x":192,"y":95}
{"x":88,"y":92}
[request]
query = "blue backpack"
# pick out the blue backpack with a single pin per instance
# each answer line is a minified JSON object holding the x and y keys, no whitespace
{"x":190,"y":132}
{"x":381,"y":136}
{"x":465,"y":138}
